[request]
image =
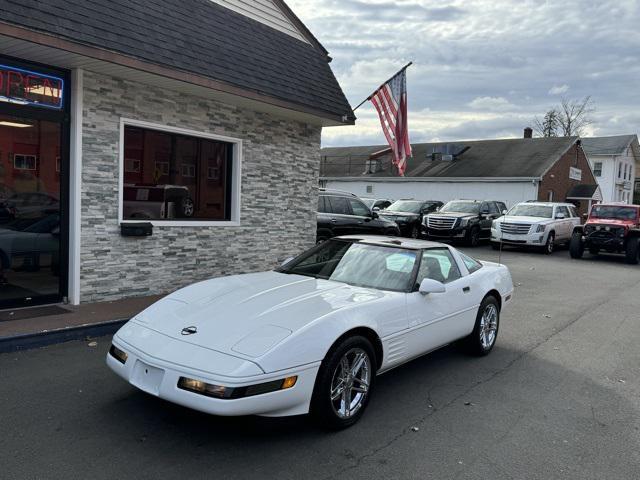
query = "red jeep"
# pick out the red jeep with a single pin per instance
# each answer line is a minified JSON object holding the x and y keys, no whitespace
{"x":613,"y":228}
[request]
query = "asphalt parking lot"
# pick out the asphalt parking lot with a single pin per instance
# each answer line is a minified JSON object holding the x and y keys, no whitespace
{"x":559,"y":397}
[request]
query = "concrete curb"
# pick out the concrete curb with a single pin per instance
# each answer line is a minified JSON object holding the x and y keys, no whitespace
{"x":42,"y":339}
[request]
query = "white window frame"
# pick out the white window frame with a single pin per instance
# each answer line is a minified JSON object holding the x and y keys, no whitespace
{"x":235,"y":184}
{"x":597,"y":167}
{"x":190,"y":170}
{"x":160,"y":166}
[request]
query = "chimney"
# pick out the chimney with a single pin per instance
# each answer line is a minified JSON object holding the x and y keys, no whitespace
{"x":528,"y":132}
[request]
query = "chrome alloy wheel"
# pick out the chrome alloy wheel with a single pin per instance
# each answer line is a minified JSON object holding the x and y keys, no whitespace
{"x":488,"y":326}
{"x":350,"y":383}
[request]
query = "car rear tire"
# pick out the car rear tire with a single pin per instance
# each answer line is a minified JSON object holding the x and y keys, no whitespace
{"x":631,"y":252}
{"x":344,"y":383}
{"x":549,"y":246}
{"x":415,"y":232}
{"x":485,"y":332}
{"x":576,"y":247}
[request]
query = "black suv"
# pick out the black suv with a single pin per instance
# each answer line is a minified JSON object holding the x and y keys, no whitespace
{"x":468,"y":220}
{"x":408,"y":214}
{"x":343,"y":213}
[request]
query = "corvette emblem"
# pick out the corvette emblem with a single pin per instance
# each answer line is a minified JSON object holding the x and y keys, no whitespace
{"x":189,"y":330}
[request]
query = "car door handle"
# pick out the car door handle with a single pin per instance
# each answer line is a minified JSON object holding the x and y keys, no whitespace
{"x":333,"y":220}
{"x":466,"y":289}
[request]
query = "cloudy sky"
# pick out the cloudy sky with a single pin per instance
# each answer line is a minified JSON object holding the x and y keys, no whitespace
{"x":482,"y":68}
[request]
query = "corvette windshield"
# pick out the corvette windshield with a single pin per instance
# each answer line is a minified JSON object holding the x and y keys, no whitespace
{"x":461,"y":207}
{"x":613,"y":212}
{"x":405,"y":206}
{"x":524,"y":210}
{"x":371,"y":266}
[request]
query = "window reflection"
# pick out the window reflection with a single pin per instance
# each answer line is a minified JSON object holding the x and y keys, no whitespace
{"x":169,"y":176}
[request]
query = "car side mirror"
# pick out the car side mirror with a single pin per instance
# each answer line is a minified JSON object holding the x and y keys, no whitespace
{"x":585,"y":216}
{"x":504,"y":212}
{"x":375,"y":209}
{"x":374,"y":215}
{"x":286,"y":260}
{"x":429,"y":285}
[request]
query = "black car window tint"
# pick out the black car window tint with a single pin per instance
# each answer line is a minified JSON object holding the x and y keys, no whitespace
{"x":493,"y":208}
{"x":359,"y":208}
{"x":339,"y":206}
{"x":321,"y":204}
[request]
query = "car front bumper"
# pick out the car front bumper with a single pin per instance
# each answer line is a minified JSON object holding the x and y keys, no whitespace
{"x":529,"y":239}
{"x":160,"y":378}
{"x":451,"y":234}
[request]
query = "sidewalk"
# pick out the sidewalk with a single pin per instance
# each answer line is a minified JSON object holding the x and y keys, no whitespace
{"x":38,"y":326}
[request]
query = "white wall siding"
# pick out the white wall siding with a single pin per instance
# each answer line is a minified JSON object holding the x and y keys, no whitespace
{"x":612,"y":181}
{"x":264,"y":11}
{"x":508,"y":192}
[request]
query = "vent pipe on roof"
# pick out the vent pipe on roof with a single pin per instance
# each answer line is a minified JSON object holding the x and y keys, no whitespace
{"x":528,"y":132}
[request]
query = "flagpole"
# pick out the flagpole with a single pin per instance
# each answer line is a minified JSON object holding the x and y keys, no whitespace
{"x":382,"y":84}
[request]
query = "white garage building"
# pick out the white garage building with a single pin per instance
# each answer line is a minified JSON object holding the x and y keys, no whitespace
{"x":511,"y":170}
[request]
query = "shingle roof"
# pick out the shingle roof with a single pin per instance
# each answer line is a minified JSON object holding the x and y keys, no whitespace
{"x":195,"y":36}
{"x":520,"y":157}
{"x":615,"y":145}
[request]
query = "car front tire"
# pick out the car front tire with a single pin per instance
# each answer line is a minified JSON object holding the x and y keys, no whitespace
{"x":344,"y":383}
{"x":485,"y":332}
{"x":473,"y":237}
{"x":549,"y":246}
{"x":576,"y":247}
{"x":631,"y":252}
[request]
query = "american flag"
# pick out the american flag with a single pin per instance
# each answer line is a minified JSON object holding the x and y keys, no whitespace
{"x":390,"y":101}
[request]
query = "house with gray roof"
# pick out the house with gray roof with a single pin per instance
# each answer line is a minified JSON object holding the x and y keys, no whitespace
{"x":509,"y":170}
{"x":156,"y":142}
{"x":615,"y":161}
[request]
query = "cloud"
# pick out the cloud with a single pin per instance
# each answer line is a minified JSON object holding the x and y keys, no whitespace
{"x":559,"y":89}
{"x":495,"y":104}
{"x":482,"y":68}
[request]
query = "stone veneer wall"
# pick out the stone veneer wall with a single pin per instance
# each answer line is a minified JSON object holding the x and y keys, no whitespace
{"x":278,"y":202}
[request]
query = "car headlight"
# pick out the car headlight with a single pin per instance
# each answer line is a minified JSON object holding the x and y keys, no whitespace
{"x":540,"y":228}
{"x":495,"y":225}
{"x":462,"y":222}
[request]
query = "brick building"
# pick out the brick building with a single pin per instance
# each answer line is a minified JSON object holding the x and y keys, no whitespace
{"x":510,"y":170}
{"x":197,"y":121}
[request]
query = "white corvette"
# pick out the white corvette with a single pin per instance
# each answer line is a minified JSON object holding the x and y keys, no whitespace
{"x":311,"y":336}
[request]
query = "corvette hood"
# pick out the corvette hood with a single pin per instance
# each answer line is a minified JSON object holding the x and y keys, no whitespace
{"x":247,"y":315}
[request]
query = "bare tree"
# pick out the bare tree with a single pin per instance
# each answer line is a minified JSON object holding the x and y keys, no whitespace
{"x":575,"y":116}
{"x":549,"y":125}
{"x":569,"y":119}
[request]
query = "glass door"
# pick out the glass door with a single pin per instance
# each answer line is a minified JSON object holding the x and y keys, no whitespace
{"x":30,"y":192}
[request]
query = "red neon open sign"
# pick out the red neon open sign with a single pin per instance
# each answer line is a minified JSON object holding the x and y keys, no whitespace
{"x":30,"y":88}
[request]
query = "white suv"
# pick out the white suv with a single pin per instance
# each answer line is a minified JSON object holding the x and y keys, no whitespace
{"x":535,"y":224}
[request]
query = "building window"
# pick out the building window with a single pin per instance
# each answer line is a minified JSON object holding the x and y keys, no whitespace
{"x":24,"y":162}
{"x":597,"y":169}
{"x":550,"y":197}
{"x":620,"y":170}
{"x":369,"y":188}
{"x":176,"y":177}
